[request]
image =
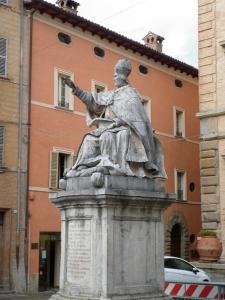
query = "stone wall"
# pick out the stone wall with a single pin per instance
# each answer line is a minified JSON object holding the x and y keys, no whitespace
{"x":212,"y":114}
{"x":13,"y":172}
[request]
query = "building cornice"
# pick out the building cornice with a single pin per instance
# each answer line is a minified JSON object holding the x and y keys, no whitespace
{"x":210,"y":114}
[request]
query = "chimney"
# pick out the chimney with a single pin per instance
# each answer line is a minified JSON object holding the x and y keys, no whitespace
{"x":68,"y":5}
{"x":153,"y":41}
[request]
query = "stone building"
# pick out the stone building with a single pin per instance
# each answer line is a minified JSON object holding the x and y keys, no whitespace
{"x":212,"y":114}
{"x":13,"y":145}
{"x":63,"y":45}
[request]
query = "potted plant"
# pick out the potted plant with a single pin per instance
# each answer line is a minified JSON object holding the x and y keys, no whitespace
{"x":209,"y":246}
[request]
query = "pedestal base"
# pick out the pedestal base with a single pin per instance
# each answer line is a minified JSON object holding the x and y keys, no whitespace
{"x":112,"y":239}
{"x":159,"y":296}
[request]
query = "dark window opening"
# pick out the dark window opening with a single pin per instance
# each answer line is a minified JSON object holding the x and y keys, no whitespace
{"x":64,"y":38}
{"x":2,"y":218}
{"x":176,"y":240}
{"x":63,"y":163}
{"x":178,"y":83}
{"x":180,"y":186}
{"x":179,"y":123}
{"x":99,"y":88}
{"x":99,"y":52}
{"x":192,"y":186}
{"x":192,"y":238}
{"x":143,"y":69}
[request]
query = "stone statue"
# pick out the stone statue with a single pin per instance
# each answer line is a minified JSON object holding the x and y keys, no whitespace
{"x":123,"y":142}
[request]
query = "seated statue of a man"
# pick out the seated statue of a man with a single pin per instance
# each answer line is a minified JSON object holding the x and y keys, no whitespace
{"x":123,"y":142}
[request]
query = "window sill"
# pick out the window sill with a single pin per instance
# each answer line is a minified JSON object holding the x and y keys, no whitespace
{"x":4,"y":78}
{"x":63,"y":108}
{"x":5,"y":4}
{"x":179,"y":137}
{"x":3,"y":169}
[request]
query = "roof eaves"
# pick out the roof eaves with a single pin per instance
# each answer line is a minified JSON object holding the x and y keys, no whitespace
{"x":96,"y":29}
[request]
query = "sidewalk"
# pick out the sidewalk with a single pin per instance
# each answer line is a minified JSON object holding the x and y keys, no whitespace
{"x":38,"y":296}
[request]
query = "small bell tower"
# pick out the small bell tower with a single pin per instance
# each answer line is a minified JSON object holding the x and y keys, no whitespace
{"x":153,"y":41}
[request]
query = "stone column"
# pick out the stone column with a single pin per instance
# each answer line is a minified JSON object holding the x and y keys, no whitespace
{"x":112,"y":238}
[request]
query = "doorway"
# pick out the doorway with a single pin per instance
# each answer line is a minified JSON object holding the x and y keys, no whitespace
{"x":49,"y":260}
{"x":176,"y":240}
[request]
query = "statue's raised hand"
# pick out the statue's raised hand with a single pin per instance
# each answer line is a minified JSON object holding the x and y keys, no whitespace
{"x":70,"y":83}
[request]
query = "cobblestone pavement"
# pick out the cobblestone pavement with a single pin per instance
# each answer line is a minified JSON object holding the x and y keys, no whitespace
{"x":38,"y":296}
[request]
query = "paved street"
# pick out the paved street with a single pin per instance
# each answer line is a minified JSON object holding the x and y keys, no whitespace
{"x":39,"y":296}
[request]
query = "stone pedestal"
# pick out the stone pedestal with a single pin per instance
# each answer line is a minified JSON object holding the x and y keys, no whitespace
{"x":112,"y":238}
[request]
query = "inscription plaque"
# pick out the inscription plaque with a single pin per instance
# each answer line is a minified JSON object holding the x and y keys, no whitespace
{"x":79,"y":252}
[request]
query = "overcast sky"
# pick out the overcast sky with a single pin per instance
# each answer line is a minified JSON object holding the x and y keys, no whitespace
{"x":175,"y":20}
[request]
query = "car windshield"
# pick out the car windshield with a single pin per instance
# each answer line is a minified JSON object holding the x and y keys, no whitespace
{"x":173,"y":263}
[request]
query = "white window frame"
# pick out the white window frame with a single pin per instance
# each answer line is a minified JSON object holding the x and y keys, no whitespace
{"x":180,"y":110}
{"x":6,"y":2}
{"x":5,"y":57}
{"x":57,"y":151}
{"x":58,"y":71}
{"x":147,"y":103}
{"x":95,"y":83}
{"x":176,"y":171}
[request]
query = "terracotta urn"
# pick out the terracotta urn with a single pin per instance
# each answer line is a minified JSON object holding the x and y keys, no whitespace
{"x":209,"y":248}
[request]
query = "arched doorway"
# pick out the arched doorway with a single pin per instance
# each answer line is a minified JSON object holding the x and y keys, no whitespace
{"x":177,"y":236}
{"x":175,"y":249}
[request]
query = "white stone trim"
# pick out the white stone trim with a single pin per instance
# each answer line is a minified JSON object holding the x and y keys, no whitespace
{"x":209,"y":114}
{"x":51,"y":106}
{"x":184,"y":183}
{"x":179,"y":109}
{"x":95,"y":82}
{"x":40,"y":189}
{"x":63,"y":150}
{"x":58,"y":71}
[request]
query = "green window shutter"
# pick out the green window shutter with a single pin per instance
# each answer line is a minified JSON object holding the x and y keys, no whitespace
{"x":3,"y":56}
{"x":2,"y":133}
{"x":54,"y":167}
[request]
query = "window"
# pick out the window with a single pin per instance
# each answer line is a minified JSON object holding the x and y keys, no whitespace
{"x":179,"y":122}
{"x":97,"y":86}
{"x":63,"y":94}
{"x":64,"y":38}
{"x":3,"y":56}
{"x":2,"y":133}
{"x":180,"y":184}
{"x":3,"y":1}
{"x":99,"y":52}
{"x":143,"y":69}
{"x":59,"y":161}
{"x":2,"y":214}
{"x":178,"y":83}
{"x":146,"y":101}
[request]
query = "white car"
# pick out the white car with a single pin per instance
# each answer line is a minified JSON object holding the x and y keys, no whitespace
{"x":179,"y":270}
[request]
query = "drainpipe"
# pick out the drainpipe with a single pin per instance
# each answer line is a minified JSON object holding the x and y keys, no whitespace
{"x":20,"y":226}
{"x":28,"y":134}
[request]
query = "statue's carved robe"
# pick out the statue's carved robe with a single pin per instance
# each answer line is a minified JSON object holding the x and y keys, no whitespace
{"x":131,"y":145}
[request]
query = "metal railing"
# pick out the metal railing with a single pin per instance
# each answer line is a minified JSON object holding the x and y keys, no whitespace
{"x":198,"y":291}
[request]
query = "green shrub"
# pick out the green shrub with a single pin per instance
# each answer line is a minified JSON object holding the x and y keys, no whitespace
{"x":207,"y":232}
